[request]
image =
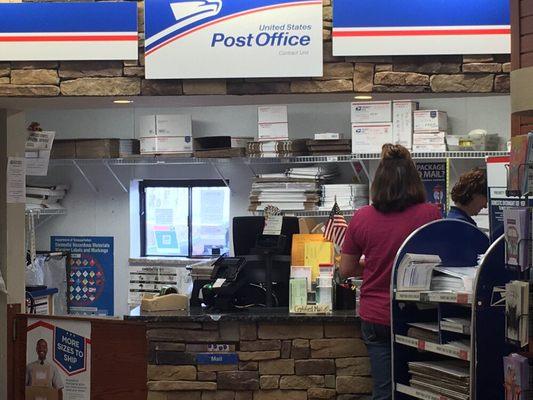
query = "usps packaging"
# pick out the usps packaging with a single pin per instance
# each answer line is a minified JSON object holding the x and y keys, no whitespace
{"x":423,"y":138}
{"x":371,"y":112}
{"x":166,"y":144}
{"x":424,"y":141}
{"x":147,"y":126}
{"x":430,"y":121}
{"x":402,"y":122}
{"x":173,"y":125}
{"x":272,"y":114}
{"x":328,"y":136}
{"x":273,"y":131}
{"x":369,"y":138}
{"x":429,"y":148}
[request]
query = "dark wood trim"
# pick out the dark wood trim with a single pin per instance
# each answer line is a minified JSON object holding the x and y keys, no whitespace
{"x":12,"y":311}
{"x":515,"y":34}
{"x":526,"y":8}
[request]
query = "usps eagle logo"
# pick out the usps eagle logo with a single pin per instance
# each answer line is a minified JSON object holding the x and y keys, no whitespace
{"x":189,"y":12}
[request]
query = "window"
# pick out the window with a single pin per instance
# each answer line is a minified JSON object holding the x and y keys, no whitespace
{"x":184,"y":218}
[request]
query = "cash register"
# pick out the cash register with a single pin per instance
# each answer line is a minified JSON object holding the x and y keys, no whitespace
{"x":258,"y":275}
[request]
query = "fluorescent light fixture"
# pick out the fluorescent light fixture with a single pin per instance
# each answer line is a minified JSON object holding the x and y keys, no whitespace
{"x":122,"y":101}
{"x":363,"y":97}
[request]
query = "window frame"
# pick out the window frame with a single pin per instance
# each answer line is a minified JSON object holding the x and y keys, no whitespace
{"x":176,"y":183}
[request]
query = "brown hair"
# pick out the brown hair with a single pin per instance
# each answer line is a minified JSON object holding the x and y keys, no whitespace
{"x":397,"y":184}
{"x":470,"y":183}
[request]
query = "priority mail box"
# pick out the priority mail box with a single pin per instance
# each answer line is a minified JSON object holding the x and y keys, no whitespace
{"x":166,"y":144}
{"x":429,"y":135}
{"x":165,"y":125}
{"x":371,"y":112}
{"x":147,"y":126}
{"x":430,"y":120}
{"x":272,"y":114}
{"x":429,"y":148}
{"x":424,"y":141}
{"x":328,"y":136}
{"x":173,"y":125}
{"x":369,"y":138}
{"x":402,"y":122}
{"x":275,"y":131}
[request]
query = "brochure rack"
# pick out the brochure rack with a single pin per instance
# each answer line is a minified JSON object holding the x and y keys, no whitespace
{"x":458,"y":244}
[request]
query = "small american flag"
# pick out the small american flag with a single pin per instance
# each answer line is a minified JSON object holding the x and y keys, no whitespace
{"x":336,"y":226}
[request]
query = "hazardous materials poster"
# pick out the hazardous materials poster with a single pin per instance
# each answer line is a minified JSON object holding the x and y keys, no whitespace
{"x":58,"y":357}
{"x":90,"y":273}
{"x":434,"y":178}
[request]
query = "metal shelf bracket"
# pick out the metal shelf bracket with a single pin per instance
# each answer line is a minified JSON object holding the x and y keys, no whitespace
{"x":217,"y":170}
{"x":91,"y":185}
{"x":113,"y":173}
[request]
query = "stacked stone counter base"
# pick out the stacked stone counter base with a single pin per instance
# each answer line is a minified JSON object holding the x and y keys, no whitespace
{"x":277,"y":361}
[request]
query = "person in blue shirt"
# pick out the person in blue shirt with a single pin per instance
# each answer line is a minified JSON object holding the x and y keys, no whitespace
{"x":469,"y":195}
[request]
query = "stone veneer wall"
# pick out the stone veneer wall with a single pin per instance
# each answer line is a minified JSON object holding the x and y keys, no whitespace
{"x":290,"y":361}
{"x":428,"y":74}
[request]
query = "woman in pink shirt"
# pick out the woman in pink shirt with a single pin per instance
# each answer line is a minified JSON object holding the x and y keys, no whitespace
{"x":377,"y":231}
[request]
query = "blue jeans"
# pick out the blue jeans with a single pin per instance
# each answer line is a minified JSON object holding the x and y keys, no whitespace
{"x":377,"y":339}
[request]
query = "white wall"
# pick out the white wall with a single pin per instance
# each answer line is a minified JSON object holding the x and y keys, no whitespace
{"x":107,"y":213}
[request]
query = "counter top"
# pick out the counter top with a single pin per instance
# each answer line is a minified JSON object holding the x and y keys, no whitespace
{"x":256,"y":315}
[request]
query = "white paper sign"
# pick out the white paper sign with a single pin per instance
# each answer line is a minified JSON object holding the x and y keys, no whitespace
{"x":16,"y":180}
{"x":38,"y":148}
{"x":273,"y":225}
{"x":233,"y":38}
{"x":58,"y":356}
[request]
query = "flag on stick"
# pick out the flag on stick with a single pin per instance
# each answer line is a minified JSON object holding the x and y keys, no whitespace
{"x":336,"y":226}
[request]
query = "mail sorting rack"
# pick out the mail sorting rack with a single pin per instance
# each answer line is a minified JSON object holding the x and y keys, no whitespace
{"x":458,"y":244}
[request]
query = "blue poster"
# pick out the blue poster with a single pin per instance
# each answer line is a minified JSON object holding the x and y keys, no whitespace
{"x":90,"y":273}
{"x":433,"y":174}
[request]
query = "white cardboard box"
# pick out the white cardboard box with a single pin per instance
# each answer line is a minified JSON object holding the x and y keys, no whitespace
{"x":275,"y":131}
{"x":402,"y":122}
{"x":430,"y":121}
{"x":369,"y":138}
{"x":166,"y":144}
{"x":173,"y":125}
{"x":272,"y":114}
{"x":371,"y":112}
{"x":147,"y":126}
{"x":165,"y":125}
{"x":430,"y":135}
{"x":328,"y":136}
{"x":429,"y":148}
{"x":424,"y":141}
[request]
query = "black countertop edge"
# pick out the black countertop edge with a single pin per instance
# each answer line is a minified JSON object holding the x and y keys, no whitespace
{"x":256,"y":315}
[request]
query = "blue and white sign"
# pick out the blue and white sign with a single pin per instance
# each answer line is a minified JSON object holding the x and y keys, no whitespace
{"x":217,"y":358}
{"x":69,"y":351}
{"x":58,"y":356}
{"x":233,"y":38}
{"x":420,"y":27}
{"x":68,"y":31}
{"x":90,"y":273}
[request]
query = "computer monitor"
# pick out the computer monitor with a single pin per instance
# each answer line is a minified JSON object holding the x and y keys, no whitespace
{"x":245,"y":233}
{"x":246,"y":230}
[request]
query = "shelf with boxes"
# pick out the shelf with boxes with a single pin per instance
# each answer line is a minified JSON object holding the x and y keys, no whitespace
{"x":155,"y":160}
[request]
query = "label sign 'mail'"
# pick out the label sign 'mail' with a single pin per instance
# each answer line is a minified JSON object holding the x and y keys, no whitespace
{"x":233,"y":38}
{"x":419,"y":27}
{"x":68,"y":31}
